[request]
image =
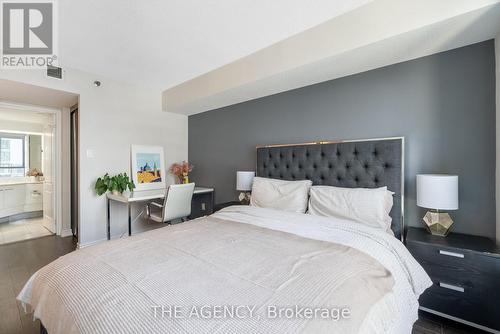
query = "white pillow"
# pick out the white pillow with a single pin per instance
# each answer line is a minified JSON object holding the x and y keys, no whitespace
{"x":279,"y":194}
{"x":363,"y":205}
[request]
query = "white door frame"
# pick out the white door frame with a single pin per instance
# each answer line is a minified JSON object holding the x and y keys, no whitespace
{"x":57,"y":155}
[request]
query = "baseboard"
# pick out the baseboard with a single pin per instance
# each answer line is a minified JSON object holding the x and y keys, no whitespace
{"x":88,"y":244}
{"x":67,"y":232}
{"x":465,"y":322}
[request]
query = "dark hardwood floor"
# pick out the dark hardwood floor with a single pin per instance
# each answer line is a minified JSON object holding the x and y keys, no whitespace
{"x":20,"y":260}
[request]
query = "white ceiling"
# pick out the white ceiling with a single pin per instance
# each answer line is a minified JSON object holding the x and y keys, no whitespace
{"x":161,"y":43}
{"x":380,"y":33}
{"x":212,"y":53}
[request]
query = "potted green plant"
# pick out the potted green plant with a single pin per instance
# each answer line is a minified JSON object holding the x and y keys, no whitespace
{"x":116,"y":184}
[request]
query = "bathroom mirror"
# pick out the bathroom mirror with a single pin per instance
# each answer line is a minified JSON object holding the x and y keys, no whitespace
{"x":35,"y":152}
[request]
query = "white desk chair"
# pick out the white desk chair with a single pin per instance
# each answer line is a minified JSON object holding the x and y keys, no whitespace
{"x":176,"y":205}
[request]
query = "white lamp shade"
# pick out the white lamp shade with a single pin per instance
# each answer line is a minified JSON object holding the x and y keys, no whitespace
{"x":244,"y":180}
{"x":437,"y":191}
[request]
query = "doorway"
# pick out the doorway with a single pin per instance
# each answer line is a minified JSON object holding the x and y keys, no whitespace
{"x":50,"y":199}
{"x":26,"y":174}
{"x":37,"y":184}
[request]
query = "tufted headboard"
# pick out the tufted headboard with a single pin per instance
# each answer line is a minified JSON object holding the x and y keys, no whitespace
{"x":351,"y":164}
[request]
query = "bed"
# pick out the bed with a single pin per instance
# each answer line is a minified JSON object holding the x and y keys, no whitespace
{"x":248,"y":269}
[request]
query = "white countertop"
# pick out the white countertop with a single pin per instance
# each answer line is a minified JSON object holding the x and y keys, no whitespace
{"x":12,"y":183}
{"x":145,"y":195}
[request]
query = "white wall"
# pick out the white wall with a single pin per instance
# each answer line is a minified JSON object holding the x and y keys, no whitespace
{"x":112,"y":117}
{"x":10,"y":125}
{"x":497,"y":53}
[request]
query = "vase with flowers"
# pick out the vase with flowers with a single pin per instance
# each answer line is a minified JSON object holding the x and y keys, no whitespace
{"x":181,"y":170}
{"x":35,"y":175}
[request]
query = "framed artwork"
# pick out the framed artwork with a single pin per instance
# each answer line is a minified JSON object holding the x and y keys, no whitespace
{"x":148,"y":167}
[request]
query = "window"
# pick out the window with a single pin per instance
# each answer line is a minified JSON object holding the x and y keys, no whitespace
{"x":12,"y":159}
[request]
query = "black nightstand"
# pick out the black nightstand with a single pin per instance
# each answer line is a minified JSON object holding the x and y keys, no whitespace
{"x":202,"y":203}
{"x":465,"y":270}
{"x":221,"y":206}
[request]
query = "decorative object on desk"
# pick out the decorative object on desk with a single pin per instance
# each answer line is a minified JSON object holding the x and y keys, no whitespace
{"x":148,"y":167}
{"x":182,"y":170}
{"x":244,"y":182}
{"x":437,"y":192}
{"x":117,"y":184}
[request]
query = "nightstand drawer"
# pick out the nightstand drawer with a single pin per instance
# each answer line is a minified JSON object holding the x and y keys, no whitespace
{"x":464,"y":268}
{"x":471,"y":305}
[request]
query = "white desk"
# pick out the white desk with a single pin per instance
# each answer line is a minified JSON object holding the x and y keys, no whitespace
{"x":142,"y":196}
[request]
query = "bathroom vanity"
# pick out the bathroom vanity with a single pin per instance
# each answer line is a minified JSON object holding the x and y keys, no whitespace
{"x":18,"y":197}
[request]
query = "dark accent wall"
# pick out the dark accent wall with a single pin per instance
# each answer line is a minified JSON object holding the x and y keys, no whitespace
{"x":443,"y":104}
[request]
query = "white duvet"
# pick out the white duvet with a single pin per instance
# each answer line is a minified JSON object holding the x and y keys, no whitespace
{"x":399,"y":309}
{"x":240,"y":255}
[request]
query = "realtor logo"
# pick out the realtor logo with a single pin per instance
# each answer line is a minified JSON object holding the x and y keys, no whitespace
{"x":27,"y":34}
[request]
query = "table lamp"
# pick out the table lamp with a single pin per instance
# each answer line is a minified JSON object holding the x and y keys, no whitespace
{"x":437,"y":192}
{"x":244,"y":182}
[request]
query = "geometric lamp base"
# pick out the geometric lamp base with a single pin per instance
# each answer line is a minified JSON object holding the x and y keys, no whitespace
{"x":244,"y":198}
{"x":438,"y":223}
